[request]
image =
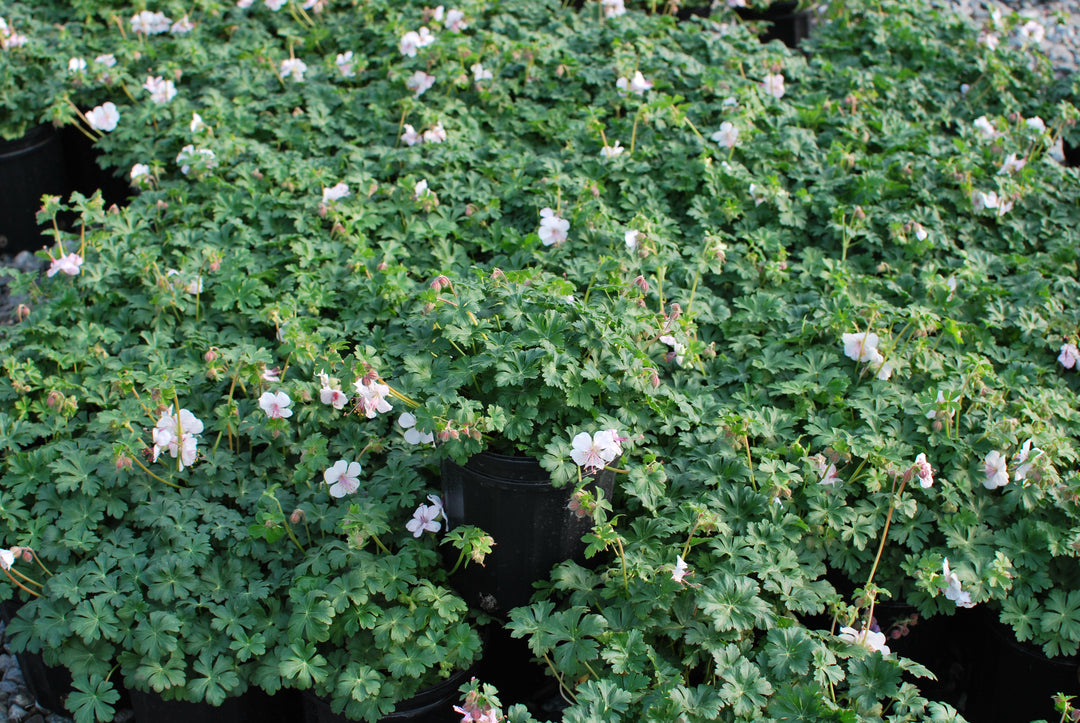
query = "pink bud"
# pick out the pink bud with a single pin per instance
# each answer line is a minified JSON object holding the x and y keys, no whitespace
{"x":440,"y":282}
{"x":22,"y":312}
{"x":297,"y":516}
{"x":162,"y":205}
{"x":859,"y":213}
{"x":211,"y":354}
{"x":54,"y":398}
{"x":123,"y":462}
{"x":322,"y":210}
{"x":428,"y":308}
{"x":498,"y":275}
{"x":641,"y":283}
{"x":257,"y":174}
{"x":676,"y":311}
{"x":383,"y":266}
{"x":654,"y":379}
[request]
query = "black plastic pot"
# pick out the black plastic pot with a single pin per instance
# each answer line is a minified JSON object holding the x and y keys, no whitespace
{"x":785,"y":24}
{"x":30,"y":167}
{"x":512,"y":499}
{"x":150,"y":707}
{"x":1016,"y":681}
{"x":85,"y":171}
{"x":431,"y":705}
{"x":49,"y":684}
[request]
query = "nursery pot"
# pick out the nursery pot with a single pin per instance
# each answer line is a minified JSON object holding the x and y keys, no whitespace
{"x":85,"y":171}
{"x":30,"y":167}
{"x":149,"y":707}
{"x":49,"y":684}
{"x":431,"y":705}
{"x":1016,"y":680}
{"x":785,"y":24}
{"x":512,"y":499}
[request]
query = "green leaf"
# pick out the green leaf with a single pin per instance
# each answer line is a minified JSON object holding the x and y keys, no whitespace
{"x":92,"y":699}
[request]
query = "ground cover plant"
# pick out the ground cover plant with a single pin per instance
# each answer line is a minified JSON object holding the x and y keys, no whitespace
{"x":819,"y":310}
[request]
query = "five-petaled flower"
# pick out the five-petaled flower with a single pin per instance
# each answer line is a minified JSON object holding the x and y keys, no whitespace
{"x":372,"y":398}
{"x":924,"y":471}
{"x":104,"y":117}
{"x":727,"y":135}
{"x":994,"y":466}
{"x":871,"y":640}
{"x":953,"y":591}
{"x":612,"y":151}
{"x":161,"y":90}
{"x":773,"y":84}
{"x":179,"y":435}
{"x":140,"y":174}
{"x":593,"y":452}
{"x":276,"y":405}
{"x":343,"y":478}
{"x":407,"y":421}
{"x":334,"y":193}
{"x":411,"y":137}
{"x":413,"y":41}
{"x":68,"y":264}
{"x":426,"y":517}
{"x":435,"y":134}
{"x":553,"y":228}
{"x":294,"y":68}
{"x":681,"y":569}
{"x":637,"y":85}
{"x":419,"y":82}
{"x":479,"y":73}
{"x":1069,"y":356}
{"x":7,"y":559}
{"x":344,"y":63}
{"x":330,"y":392}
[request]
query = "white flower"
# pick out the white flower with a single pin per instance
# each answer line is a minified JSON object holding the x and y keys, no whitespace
{"x":425,"y":519}
{"x":990,"y":40}
{"x":479,"y":73}
{"x":334,"y":193}
{"x":161,"y":90}
{"x":953,"y":590}
{"x":410,"y":137}
{"x":678,"y":350}
{"x":982,"y":200}
{"x":421,"y":190}
{"x":455,"y":21}
{"x":924,"y":471}
{"x":294,"y":68}
{"x":1036,"y":123}
{"x":593,"y":452}
{"x":827,"y":471}
{"x":861,"y":346}
{"x":7,"y":559}
{"x":372,"y":398}
{"x":1069,"y":356}
{"x":178,"y":436}
{"x":104,"y":117}
{"x":435,"y":134}
{"x":1031,"y":32}
{"x":413,"y":435}
{"x":276,"y":405}
{"x":201,"y":159}
{"x":1025,"y":460}
{"x":14,"y":40}
{"x":613,"y":8}
{"x":727,"y":135}
{"x":182,"y":26}
{"x":758,"y":194}
{"x":997,"y":475}
{"x":419,"y":82}
{"x":1011,"y":165}
{"x":681,"y":569}
{"x":553,"y":228}
{"x":631,"y":238}
{"x":343,"y":478}
{"x":872,"y":641}
{"x":413,"y":41}
{"x":612,"y":151}
{"x":920,"y":231}
{"x":69,"y":265}
{"x":275,"y":5}
{"x":76,"y":65}
{"x":985,"y":128}
{"x":637,"y":85}
{"x":140,"y":173}
{"x":148,"y":23}
{"x":244,"y":4}
{"x":773,"y":84}
{"x":344,"y":63}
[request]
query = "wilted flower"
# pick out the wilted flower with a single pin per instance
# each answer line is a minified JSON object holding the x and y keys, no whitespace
{"x":294,"y":68}
{"x":161,"y":90}
{"x":678,"y":349}
{"x":276,"y":405}
{"x":419,"y":82}
{"x":104,"y":117}
{"x":553,"y":228}
{"x":924,"y":471}
{"x":773,"y":84}
{"x":1069,"y":356}
{"x":727,"y":135}
{"x":994,"y":466}
{"x":343,"y":478}
{"x":68,"y":264}
{"x":869,"y":639}
{"x":637,"y":85}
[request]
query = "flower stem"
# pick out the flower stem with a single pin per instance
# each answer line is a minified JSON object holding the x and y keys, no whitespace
{"x":19,"y":584}
{"x":881,"y":545}
{"x":143,"y":467}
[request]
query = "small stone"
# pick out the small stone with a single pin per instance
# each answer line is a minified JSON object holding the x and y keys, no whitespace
{"x":22,"y":699}
{"x":16,"y":714}
{"x":8,"y":687}
{"x":36,"y":718}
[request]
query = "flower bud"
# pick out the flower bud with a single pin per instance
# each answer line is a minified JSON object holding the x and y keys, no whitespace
{"x":22,"y":312}
{"x":641,"y":283}
{"x":211,"y":354}
{"x":54,"y":399}
{"x":322,"y":210}
{"x":297,"y":516}
{"x":113,"y":210}
{"x":440,"y":282}
{"x":123,"y":462}
{"x":338,"y":228}
{"x":428,"y":308}
{"x":859,"y":213}
{"x":454,"y":434}
{"x":676,"y":311}
{"x":498,"y":275}
{"x":257,"y":174}
{"x":383,"y":266}
{"x":444,"y":434}
{"x":162,"y":205}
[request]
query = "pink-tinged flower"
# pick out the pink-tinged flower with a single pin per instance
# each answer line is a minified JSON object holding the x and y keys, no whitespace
{"x":612,"y":151}
{"x":108,"y":60}
{"x":413,"y":435}
{"x":593,"y":452}
{"x":331,"y":393}
{"x":1011,"y":164}
{"x":195,"y":286}
{"x":435,"y":134}
{"x":985,"y":128}
{"x":1031,"y":32}
{"x":294,"y":68}
{"x":924,"y":471}
{"x":413,"y":41}
{"x":613,"y":8}
{"x":419,"y":82}
{"x":276,"y":405}
{"x":681,"y":569}
{"x":610,"y":444}
{"x":179,"y":436}
{"x":727,"y":136}
{"x":103,"y":117}
{"x":410,"y":137}
{"x":272,"y":375}
{"x":7,"y":559}
{"x":421,"y":192}
{"x":140,"y":174}
{"x":1069,"y":356}
{"x":826,"y":471}
{"x":148,"y":23}
{"x":275,"y":5}
{"x":198,"y":159}
{"x":990,"y":40}
{"x":455,"y":21}
{"x":553,"y":228}
{"x":316,"y":6}
{"x":14,"y":40}
{"x":244,"y":4}
{"x":334,"y":193}
{"x":343,"y":478}
{"x":953,"y":590}
{"x":736,"y":3}
{"x":919,"y":230}
{"x":344,"y":63}
{"x":678,"y":349}
{"x":161,"y":90}
{"x":1024,"y":462}
{"x":773,"y":84}
{"x":869,"y":639}
{"x":197,"y":125}
{"x":1004,"y":206}
{"x":479,"y":73}
{"x":372,"y":398}
{"x":183,"y":26}
{"x":637,"y":85}
{"x":425,"y":519}
{"x":632,"y":239}
{"x":76,"y":65}
{"x":69,"y":264}
{"x":862,"y":346}
{"x":994,"y":467}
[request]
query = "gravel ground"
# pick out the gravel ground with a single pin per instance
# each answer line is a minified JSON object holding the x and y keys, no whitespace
{"x":1059,"y":18}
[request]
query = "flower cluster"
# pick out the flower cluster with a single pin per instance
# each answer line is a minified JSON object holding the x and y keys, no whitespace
{"x":179,"y":435}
